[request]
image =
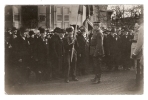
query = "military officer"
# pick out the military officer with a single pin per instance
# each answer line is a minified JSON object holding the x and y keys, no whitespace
{"x":97,"y":51}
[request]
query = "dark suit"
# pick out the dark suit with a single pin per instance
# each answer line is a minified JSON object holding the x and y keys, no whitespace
{"x":42,"y":57}
{"x":106,"y":45}
{"x":83,"y":53}
{"x":23,"y":53}
{"x":57,"y":56}
{"x":126,"y":50}
{"x":115,"y":51}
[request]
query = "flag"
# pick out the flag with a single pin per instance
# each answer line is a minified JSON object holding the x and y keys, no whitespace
{"x":89,"y":10}
{"x":88,"y":25}
{"x":80,"y":10}
{"x":87,"y":22}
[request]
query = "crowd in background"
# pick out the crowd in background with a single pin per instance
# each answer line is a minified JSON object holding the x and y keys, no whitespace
{"x":51,"y":55}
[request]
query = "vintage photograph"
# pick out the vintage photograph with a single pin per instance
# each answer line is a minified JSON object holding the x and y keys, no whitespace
{"x":75,"y":49}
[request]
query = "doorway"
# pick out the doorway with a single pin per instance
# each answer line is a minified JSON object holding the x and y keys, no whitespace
{"x":30,"y":16}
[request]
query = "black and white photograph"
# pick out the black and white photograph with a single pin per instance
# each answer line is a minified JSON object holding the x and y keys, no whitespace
{"x":74,"y":49}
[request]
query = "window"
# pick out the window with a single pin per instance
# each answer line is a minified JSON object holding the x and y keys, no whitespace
{"x":62,"y":16}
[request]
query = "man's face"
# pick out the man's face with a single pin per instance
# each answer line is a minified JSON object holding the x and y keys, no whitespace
{"x":32,"y":36}
{"x":14,"y":36}
{"x":95,"y":26}
{"x":14,"y":32}
{"x":61,"y":35}
{"x":84,"y":34}
{"x":23,"y":34}
{"x":136,"y":26}
{"x":70,"y":34}
{"x":43,"y":35}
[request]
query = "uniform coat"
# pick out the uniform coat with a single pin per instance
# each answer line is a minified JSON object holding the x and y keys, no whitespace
{"x":96,"y":46}
{"x":115,"y":50}
{"x":126,"y":50}
{"x":97,"y":51}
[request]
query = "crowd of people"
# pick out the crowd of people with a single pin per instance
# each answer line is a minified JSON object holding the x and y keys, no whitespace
{"x":65,"y":53}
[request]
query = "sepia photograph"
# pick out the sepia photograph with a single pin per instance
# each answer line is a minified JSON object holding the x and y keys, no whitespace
{"x":74,"y":49}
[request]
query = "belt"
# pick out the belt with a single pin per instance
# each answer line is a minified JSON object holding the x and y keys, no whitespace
{"x":134,"y":41}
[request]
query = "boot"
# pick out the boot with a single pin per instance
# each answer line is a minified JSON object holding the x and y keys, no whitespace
{"x":97,"y":80}
{"x":94,"y":79}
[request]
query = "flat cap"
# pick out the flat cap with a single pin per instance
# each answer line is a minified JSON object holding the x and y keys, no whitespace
{"x":69,"y":29}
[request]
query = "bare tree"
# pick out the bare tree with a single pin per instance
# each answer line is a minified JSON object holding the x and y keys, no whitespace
{"x":125,"y":15}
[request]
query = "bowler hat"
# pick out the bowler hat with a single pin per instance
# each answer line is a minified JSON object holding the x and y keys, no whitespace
{"x":57,"y":30}
{"x":62,"y":31}
{"x":31,"y":33}
{"x":42,"y":30}
{"x":23,"y":29}
{"x":14,"y":28}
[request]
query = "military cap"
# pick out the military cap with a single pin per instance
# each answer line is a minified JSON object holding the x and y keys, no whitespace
{"x":69,"y":29}
{"x":31,"y":33}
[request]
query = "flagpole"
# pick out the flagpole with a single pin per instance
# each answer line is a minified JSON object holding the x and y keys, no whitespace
{"x":74,"y":37}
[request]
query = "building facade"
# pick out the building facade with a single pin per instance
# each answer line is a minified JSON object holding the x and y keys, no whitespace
{"x":47,"y":16}
{"x":51,"y":16}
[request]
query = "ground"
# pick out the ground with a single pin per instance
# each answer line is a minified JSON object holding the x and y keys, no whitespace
{"x":112,"y":83}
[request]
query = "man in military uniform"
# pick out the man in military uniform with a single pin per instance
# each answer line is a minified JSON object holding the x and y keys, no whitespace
{"x":97,"y":51}
{"x":71,"y":47}
{"x":138,"y":55}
